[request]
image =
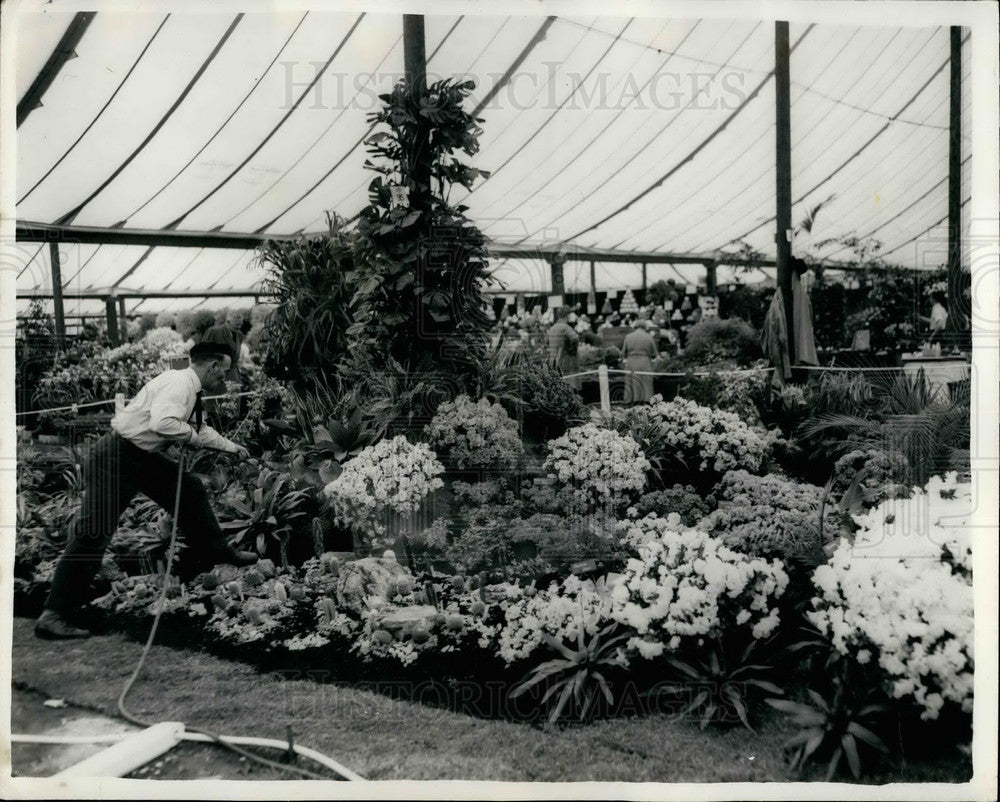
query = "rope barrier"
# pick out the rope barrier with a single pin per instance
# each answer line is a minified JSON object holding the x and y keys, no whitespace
{"x":75,"y":407}
{"x":653,"y":373}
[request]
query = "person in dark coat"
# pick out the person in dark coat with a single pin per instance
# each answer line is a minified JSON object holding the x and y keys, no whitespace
{"x":229,"y":334}
{"x":638,"y":351}
{"x":562,"y":342}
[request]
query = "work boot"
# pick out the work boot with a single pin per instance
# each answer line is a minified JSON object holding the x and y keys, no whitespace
{"x":52,"y":626}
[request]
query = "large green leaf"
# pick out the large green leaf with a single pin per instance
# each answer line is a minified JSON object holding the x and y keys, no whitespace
{"x":851,"y":750}
{"x":867,"y":736}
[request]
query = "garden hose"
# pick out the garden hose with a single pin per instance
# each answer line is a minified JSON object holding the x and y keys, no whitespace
{"x":223,"y":740}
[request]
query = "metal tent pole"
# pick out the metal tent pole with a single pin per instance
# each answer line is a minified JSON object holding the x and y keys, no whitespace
{"x":783,"y":172}
{"x":111,"y":311}
{"x":122,"y":320}
{"x":57,"y":294}
{"x":955,"y":312}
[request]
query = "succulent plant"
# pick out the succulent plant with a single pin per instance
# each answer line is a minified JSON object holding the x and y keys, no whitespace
{"x":209,"y":581}
{"x":252,"y":612}
{"x":420,"y":635}
{"x":382,"y":637}
{"x":253,"y":578}
{"x":329,"y":609}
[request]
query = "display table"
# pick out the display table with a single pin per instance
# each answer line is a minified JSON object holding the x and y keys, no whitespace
{"x":939,"y":371}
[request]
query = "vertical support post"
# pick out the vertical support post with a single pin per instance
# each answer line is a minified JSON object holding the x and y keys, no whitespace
{"x":605,"y":388}
{"x":711,"y":280}
{"x":592,"y":295}
{"x":57,"y":297}
{"x":783,"y":172}
{"x":414,"y":49}
{"x":122,"y":320}
{"x":556,"y":272}
{"x":645,"y":284}
{"x":111,"y":312}
{"x":955,"y":313}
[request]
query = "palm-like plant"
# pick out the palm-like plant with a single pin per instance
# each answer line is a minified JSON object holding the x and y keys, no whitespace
{"x":719,"y":683}
{"x":831,"y":725}
{"x":835,"y":725}
{"x":899,"y":414}
{"x":310,"y":281}
{"x":577,"y":674}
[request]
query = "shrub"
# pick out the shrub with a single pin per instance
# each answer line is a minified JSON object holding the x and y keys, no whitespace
{"x":562,"y":540}
{"x":393,"y":476}
{"x":742,"y":392}
{"x":687,"y":584}
{"x":717,"y":340}
{"x":595,"y":467}
{"x":684,"y":500}
{"x":707,"y":440}
{"x":536,"y":394}
{"x":163,"y":338}
{"x":901,"y":595}
{"x":561,"y":611}
{"x":474,"y":435}
{"x":880,"y":474}
{"x":770,"y":516}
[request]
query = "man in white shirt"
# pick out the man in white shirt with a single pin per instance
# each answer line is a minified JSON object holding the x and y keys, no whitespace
{"x":128,"y":460}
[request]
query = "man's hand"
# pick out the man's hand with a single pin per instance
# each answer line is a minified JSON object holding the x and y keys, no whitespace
{"x":241,"y":452}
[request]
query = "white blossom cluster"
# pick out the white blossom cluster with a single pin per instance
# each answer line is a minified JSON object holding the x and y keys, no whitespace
{"x":902,"y":594}
{"x":477,"y":434}
{"x":595,"y":465}
{"x":311,"y":640}
{"x":708,"y":438}
{"x":560,"y":611}
{"x":687,"y":584}
{"x":162,"y":339}
{"x":391,"y":475}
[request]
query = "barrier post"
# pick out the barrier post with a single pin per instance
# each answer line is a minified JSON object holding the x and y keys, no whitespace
{"x":602,"y":378}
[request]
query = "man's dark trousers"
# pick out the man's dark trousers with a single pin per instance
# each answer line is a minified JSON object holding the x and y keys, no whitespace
{"x":114,"y":471}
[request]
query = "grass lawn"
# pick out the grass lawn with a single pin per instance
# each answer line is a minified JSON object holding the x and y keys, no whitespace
{"x":382,"y":738}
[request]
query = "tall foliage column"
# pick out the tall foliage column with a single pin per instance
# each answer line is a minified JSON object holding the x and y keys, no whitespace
{"x":419,"y":308}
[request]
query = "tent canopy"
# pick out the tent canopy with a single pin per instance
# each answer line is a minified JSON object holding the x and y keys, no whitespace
{"x":627,"y":135}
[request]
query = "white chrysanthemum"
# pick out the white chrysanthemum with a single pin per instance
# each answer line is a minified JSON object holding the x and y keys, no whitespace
{"x":686,"y":583}
{"x":392,"y":475}
{"x":596,"y":466}
{"x":901,"y":594}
